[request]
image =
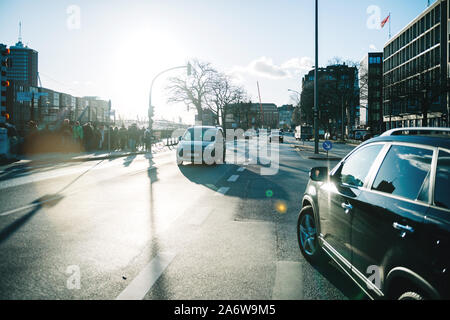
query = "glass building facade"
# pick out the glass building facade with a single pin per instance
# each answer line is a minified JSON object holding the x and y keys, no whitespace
{"x":416,"y":71}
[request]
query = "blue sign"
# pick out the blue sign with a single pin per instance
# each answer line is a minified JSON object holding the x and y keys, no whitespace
{"x":327,"y":145}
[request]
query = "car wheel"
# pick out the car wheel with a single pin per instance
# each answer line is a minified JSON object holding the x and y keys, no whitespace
{"x":307,"y":235}
{"x":411,"y":295}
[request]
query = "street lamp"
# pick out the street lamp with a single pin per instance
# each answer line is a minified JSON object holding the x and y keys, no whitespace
{"x":150,"y":107}
{"x":316,"y":88}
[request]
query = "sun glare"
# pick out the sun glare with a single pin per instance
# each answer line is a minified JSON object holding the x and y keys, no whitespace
{"x":139,"y":56}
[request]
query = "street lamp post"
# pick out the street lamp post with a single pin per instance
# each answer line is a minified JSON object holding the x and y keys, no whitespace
{"x":316,"y":89}
{"x":299,"y":96}
{"x":150,"y":107}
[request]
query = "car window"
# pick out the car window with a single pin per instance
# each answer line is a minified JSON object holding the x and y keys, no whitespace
{"x":356,"y":167}
{"x":442,"y":185}
{"x":200,"y":134}
{"x":404,"y":172}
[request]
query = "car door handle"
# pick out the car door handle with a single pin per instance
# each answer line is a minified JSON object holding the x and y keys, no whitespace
{"x":347,"y":207}
{"x":402,"y":227}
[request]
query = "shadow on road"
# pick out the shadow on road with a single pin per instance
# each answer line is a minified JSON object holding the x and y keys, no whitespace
{"x":45,"y":201}
{"x":257,"y":186}
{"x":337,"y":278}
{"x":128,"y":160}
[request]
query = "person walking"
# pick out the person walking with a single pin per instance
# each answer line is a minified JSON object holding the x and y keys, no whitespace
{"x":77,"y":135}
{"x":87,"y":136}
{"x":123,"y":137}
{"x":66,"y":135}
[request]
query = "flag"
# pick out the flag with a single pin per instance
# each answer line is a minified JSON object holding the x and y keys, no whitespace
{"x":385,"y":21}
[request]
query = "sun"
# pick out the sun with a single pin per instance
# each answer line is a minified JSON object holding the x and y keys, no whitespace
{"x":140,"y":55}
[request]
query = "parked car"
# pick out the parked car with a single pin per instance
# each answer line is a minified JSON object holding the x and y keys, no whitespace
{"x":383,"y":215}
{"x":202,"y":144}
{"x":359,"y":134}
{"x":276,"y":135}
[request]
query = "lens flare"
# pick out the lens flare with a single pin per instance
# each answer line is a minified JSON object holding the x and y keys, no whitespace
{"x":281,"y":207}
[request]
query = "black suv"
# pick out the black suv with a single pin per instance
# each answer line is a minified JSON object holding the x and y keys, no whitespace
{"x":383,"y":215}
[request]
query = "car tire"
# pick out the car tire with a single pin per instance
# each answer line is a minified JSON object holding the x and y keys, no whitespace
{"x":411,"y":295}
{"x":310,"y":249}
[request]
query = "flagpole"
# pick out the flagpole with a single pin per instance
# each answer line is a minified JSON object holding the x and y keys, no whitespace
{"x":389,"y":26}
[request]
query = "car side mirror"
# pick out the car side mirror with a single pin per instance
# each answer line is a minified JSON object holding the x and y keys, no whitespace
{"x":319,"y":174}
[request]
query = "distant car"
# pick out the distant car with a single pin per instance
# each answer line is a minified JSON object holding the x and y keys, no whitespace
{"x":359,"y":134}
{"x":303,"y":133}
{"x":383,"y":215}
{"x":367,"y":136}
{"x":202,"y":144}
{"x":276,"y":135}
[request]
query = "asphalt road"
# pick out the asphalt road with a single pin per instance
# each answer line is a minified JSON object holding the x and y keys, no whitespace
{"x":140,"y":228}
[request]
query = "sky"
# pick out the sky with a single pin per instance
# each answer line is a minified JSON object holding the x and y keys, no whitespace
{"x":113,"y":49}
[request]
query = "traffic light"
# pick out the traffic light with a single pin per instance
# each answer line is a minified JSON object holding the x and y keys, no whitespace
{"x":150,"y":111}
{"x":189,"y":69}
{"x":5,"y":63}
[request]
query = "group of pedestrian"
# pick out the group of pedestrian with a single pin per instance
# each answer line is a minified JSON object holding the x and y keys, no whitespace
{"x":71,"y":136}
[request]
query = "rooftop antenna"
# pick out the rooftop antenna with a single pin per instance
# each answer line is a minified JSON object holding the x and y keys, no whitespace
{"x":20,"y":31}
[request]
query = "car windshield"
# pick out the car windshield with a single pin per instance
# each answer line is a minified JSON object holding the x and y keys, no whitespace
{"x":200,"y":134}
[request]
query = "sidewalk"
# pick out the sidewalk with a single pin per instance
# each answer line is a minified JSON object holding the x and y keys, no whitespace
{"x":79,"y":157}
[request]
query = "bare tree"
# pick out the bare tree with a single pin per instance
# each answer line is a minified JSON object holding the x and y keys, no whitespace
{"x":223,"y":93}
{"x":193,"y":90}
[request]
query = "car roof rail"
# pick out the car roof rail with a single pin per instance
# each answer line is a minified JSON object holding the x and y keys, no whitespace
{"x":416,"y":131}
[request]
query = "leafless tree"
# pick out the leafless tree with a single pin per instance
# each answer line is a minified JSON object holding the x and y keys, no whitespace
{"x":223,"y":93}
{"x":193,"y":90}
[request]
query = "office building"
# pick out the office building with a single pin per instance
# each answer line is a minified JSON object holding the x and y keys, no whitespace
{"x":24,"y":70}
{"x":416,"y":71}
{"x":371,"y":92}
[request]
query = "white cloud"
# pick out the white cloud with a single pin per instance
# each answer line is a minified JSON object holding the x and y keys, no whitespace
{"x":373,"y":47}
{"x":265,"y":67}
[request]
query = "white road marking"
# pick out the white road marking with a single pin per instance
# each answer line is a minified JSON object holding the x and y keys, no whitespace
{"x":233,"y":178}
{"x":32,"y":205}
{"x":140,"y":285}
{"x":241,"y":169}
{"x":288,"y":281}
{"x":199,"y":216}
{"x":222,"y":191}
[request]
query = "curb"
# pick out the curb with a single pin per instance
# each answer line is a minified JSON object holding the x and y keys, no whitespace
{"x":324,"y":158}
{"x":78,"y":159}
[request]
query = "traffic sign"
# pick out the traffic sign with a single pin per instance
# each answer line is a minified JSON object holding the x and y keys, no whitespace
{"x":327,"y":146}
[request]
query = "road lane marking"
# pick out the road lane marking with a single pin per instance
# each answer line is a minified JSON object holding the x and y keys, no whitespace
{"x":32,"y":205}
{"x":241,"y":169}
{"x":145,"y":280}
{"x":288,"y":281}
{"x":200,"y":216}
{"x":222,"y":191}
{"x":233,"y":178}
